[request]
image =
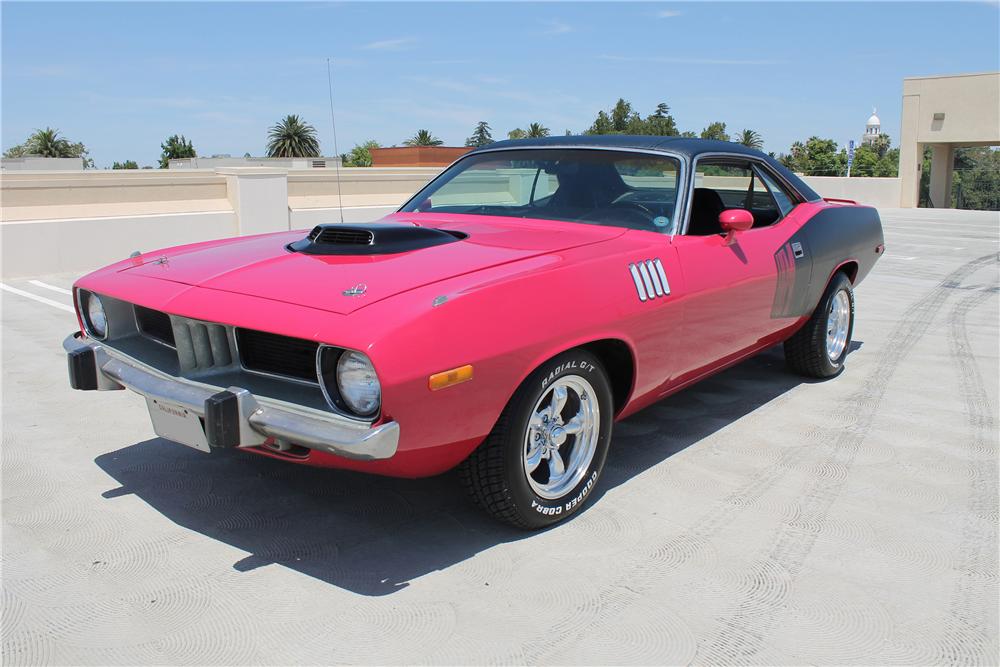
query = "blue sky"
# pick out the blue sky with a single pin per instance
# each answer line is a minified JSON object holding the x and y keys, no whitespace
{"x":123,"y":76}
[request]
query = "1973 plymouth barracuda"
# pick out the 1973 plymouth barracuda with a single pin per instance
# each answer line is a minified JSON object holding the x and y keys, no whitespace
{"x":501,"y":321}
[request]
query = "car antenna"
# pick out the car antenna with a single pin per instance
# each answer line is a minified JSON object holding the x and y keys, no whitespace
{"x":336,"y":151}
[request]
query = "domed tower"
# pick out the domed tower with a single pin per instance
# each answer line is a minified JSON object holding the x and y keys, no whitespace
{"x":873,"y":128}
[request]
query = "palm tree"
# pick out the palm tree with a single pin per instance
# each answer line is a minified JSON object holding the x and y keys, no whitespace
{"x":48,"y":143}
{"x":517,"y":133}
{"x":536,"y":131}
{"x":423,"y":138}
{"x":292,"y":137}
{"x":750,"y":139}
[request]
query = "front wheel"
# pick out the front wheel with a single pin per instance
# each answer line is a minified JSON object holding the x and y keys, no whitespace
{"x":819,"y":348}
{"x":545,"y":454}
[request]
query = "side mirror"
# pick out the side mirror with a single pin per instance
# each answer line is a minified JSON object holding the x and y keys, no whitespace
{"x":735,"y":220}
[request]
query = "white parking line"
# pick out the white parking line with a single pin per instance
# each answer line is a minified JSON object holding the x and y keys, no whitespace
{"x":39,"y":299}
{"x":61,"y":290}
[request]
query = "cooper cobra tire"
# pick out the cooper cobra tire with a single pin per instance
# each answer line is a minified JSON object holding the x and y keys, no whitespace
{"x":819,"y":348}
{"x":544,"y":456}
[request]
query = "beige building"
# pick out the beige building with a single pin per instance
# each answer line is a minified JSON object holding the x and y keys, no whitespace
{"x":945,"y":113}
{"x":225,"y":161}
{"x":38,"y":163}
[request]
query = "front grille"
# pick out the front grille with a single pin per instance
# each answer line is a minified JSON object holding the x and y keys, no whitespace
{"x":201,"y":345}
{"x":154,"y":324}
{"x":277,"y":355}
{"x":335,"y":236}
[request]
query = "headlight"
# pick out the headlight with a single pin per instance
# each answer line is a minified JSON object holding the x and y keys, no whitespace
{"x":94,"y":318}
{"x":358,"y":384}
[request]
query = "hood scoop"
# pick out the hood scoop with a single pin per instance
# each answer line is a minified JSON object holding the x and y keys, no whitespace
{"x":373,"y":239}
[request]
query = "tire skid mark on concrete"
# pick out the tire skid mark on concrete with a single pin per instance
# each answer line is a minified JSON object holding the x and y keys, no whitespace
{"x":970,"y":636}
{"x":641,"y":574}
{"x":792,"y":544}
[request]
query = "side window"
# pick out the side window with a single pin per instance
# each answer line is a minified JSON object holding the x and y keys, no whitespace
{"x":781,"y":196}
{"x":720,"y":185}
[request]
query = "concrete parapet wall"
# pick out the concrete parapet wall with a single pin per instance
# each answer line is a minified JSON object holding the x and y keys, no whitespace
{"x":77,"y":221}
{"x":877,"y":192}
{"x":82,"y":245}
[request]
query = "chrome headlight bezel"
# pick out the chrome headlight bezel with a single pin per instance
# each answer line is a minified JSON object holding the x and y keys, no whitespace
{"x":340,"y":389}
{"x":92,"y":317}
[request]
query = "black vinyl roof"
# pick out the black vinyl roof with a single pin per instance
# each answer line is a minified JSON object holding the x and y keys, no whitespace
{"x":683,"y":145}
{"x":689,"y":148}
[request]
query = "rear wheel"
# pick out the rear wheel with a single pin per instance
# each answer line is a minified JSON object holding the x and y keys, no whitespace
{"x":819,"y":348}
{"x":547,"y":450}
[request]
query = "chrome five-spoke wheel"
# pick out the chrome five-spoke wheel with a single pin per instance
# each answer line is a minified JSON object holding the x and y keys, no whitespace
{"x":838,"y":324}
{"x":561,"y":437}
{"x":544,"y":457}
{"x":818,"y":349}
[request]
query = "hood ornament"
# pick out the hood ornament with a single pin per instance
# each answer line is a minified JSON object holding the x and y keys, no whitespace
{"x":357,"y":290}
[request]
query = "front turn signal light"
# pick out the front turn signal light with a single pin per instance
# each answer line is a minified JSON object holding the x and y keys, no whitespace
{"x":448,"y":378}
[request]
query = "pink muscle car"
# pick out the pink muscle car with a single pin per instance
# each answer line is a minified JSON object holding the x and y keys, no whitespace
{"x":501,"y":321}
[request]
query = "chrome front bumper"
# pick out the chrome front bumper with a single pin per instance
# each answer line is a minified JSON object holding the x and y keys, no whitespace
{"x":230,"y":417}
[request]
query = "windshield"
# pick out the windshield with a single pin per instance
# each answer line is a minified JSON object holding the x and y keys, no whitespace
{"x":614,"y":188}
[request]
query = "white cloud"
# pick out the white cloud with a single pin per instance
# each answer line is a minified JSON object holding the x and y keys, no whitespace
{"x":390,"y":44}
{"x":667,"y":13}
{"x":689,"y":61}
{"x":52,"y":70}
{"x":554,"y":27}
{"x":444,"y":83}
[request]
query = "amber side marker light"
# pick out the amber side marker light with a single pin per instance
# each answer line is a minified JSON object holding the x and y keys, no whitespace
{"x":448,"y":378}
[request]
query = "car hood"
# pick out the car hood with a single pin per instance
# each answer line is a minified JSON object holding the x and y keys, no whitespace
{"x":262,"y":266}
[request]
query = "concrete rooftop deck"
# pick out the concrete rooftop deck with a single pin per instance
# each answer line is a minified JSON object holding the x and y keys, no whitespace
{"x":754,"y":518}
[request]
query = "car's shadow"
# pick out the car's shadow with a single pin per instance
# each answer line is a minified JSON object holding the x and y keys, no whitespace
{"x":373,"y":535}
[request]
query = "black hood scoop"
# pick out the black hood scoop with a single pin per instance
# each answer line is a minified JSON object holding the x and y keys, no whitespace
{"x":371,"y":239}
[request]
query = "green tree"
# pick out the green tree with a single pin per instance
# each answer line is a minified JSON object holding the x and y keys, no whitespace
{"x":292,"y":137}
{"x":888,"y":164}
{"x":976,"y":181}
{"x":602,"y":124}
{"x":536,"y":131}
{"x":661,"y":123}
{"x":882,"y":144}
{"x":423,"y":138}
{"x":127,"y":164}
{"x":517,"y":133}
{"x":622,"y":116}
{"x":48,"y":143}
{"x":750,"y":139}
{"x":865,"y":160}
{"x":175,"y":148}
{"x":716,"y":130}
{"x":816,"y":157}
{"x":481,"y":136}
{"x":360,"y":155}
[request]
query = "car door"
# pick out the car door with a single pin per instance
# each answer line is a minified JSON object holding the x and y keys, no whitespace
{"x":732,"y":280}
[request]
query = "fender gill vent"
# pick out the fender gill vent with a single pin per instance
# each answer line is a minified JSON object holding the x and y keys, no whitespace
{"x":650,"y":279}
{"x":372,"y":239}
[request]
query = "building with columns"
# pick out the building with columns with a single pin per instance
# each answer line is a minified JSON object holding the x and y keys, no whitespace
{"x":944,"y":113}
{"x":873,"y":128}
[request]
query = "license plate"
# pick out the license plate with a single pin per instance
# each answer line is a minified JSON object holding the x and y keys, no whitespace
{"x":177,"y":423}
